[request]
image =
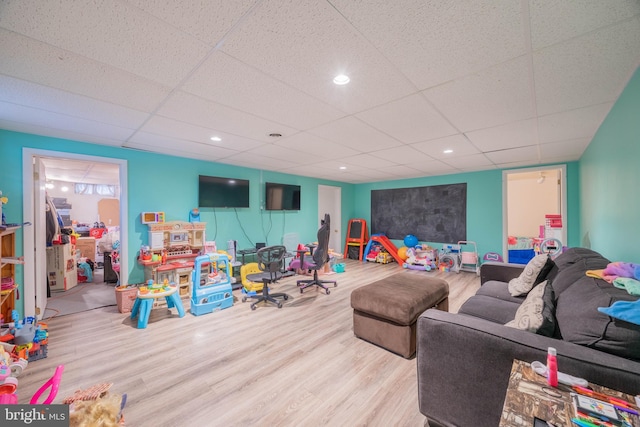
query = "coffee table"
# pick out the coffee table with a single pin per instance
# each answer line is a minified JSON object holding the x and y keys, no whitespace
{"x":529,"y":396}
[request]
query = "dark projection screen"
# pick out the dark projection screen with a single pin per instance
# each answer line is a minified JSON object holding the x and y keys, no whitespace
{"x":432,"y":214}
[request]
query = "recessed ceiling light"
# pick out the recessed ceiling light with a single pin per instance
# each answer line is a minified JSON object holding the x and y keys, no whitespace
{"x":65,"y":188}
{"x":341,"y":79}
{"x":216,"y":138}
{"x":448,"y":151}
{"x":275,"y":135}
{"x":343,"y":168}
{"x":49,"y":185}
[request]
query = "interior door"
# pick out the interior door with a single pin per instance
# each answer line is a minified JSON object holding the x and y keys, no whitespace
{"x":329,"y":201}
{"x":35,"y":268}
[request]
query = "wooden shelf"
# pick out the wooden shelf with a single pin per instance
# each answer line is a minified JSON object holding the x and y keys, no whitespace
{"x":8,"y":261}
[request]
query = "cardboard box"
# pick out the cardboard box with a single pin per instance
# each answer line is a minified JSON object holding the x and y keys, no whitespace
{"x":61,"y":268}
{"x":87,"y":247}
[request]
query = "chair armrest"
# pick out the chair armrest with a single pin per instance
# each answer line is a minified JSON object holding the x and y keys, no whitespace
{"x":499,"y":271}
{"x":464,"y":364}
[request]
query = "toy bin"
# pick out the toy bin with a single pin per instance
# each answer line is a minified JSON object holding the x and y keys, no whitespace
{"x":37,"y":352}
{"x":125,"y":297}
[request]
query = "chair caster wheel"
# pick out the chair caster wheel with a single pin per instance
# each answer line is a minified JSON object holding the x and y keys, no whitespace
{"x":286,"y":297}
{"x":253,"y":307}
{"x":279,"y":305}
{"x":244,"y":299}
{"x":301,"y":290}
{"x":328,"y":292}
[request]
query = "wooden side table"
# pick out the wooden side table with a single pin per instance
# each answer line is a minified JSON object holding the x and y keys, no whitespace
{"x":529,"y":396}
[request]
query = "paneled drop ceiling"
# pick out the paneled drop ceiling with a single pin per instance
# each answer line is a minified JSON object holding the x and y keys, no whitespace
{"x":502,"y":83}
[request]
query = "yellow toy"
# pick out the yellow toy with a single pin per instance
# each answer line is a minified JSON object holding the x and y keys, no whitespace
{"x":248,"y":285}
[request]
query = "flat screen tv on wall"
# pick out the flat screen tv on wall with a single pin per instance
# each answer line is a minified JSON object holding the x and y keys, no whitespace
{"x":219,"y":192}
{"x":282,"y":197}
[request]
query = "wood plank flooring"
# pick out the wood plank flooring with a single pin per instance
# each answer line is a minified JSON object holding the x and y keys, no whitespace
{"x":296,"y":366}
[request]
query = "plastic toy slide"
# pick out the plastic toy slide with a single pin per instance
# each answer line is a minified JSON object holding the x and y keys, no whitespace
{"x":388,"y":245}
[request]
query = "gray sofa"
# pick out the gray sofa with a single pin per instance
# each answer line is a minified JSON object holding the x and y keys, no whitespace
{"x":464,"y":359}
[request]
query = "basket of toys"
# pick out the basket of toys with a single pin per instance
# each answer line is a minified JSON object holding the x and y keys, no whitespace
{"x":125,"y":297}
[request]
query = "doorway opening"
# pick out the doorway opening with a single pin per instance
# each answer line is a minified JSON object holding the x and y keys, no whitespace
{"x":330,"y":201}
{"x":95,"y":199}
{"x":534,"y":209}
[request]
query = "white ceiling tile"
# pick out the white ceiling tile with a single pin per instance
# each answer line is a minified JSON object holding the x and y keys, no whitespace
{"x":315,"y":146}
{"x":402,"y":155}
{"x":572,"y":149}
{"x":467,"y":162}
{"x":367,"y":161}
{"x":26,"y":127}
{"x":258,"y":161}
{"x":229,"y":82}
{"x":115,"y":33}
{"x":208,"y":20}
{"x":515,"y":134}
{"x":52,"y":120}
{"x":555,"y":21}
{"x":434,"y":42}
{"x":516,"y":164}
{"x":355,"y":134}
{"x":572,"y":124}
{"x":571,"y":75}
{"x":336,"y":165}
{"x":163,"y":126}
{"x":435,"y":148}
{"x":192,"y":109}
{"x":40,"y":63}
{"x":20,"y":92}
{"x":175,"y":146}
{"x":491,"y":97}
{"x":292,"y":156}
{"x":409,"y":119}
{"x":434,"y":167}
{"x":522,"y":154}
{"x":308,"y":43}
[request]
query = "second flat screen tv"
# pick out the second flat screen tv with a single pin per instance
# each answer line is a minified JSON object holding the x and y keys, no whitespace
{"x":219,"y":192}
{"x":282,"y":197}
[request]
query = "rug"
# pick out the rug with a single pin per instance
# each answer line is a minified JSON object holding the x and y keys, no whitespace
{"x":83,"y":297}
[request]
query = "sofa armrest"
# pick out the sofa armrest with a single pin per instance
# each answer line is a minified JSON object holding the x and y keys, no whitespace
{"x":499,"y":271}
{"x":464,"y":365}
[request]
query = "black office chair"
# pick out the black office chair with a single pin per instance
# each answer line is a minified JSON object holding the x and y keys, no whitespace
{"x":320,"y":256}
{"x":270,"y":260}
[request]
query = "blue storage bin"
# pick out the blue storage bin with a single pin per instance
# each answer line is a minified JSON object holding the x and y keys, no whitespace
{"x":521,"y":256}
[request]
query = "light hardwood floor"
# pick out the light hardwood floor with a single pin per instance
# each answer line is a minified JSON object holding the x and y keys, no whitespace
{"x":296,"y":366}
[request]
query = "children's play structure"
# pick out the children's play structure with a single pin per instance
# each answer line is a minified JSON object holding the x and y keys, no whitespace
{"x":211,"y":284}
{"x":386,"y":244}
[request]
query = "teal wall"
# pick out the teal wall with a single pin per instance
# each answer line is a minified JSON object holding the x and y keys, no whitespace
{"x":484,"y":204}
{"x":170,"y":184}
{"x":610,"y":181}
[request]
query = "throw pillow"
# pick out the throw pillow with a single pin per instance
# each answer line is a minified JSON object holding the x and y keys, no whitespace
{"x":534,"y":272}
{"x":536,"y":313}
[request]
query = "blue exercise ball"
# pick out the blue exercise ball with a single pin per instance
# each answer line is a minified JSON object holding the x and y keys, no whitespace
{"x":410,"y":240}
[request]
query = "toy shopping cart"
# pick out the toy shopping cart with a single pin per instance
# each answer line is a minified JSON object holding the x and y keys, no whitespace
{"x":469,"y":260}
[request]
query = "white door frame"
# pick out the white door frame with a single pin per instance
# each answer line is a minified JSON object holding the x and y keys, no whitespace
{"x":505,"y":204}
{"x":330,"y":201}
{"x":28,"y":214}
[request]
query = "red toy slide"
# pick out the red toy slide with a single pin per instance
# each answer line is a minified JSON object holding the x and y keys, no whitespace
{"x":389,"y":246}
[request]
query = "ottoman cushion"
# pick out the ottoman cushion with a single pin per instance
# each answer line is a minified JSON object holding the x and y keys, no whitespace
{"x":385,"y":312}
{"x":400,"y":298}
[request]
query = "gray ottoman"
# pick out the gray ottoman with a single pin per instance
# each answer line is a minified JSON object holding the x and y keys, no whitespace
{"x":385,"y":312}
